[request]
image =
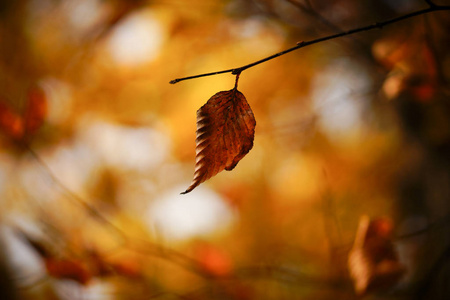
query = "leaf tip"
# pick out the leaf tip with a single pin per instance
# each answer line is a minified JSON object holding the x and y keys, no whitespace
{"x":190,"y":188}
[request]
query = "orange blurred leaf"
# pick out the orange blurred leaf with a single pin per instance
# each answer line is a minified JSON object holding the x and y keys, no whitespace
{"x":213,"y":260}
{"x":35,"y":110}
{"x":11,"y":124}
{"x":68,"y":269}
{"x":225,"y":132}
{"x":15,"y":125}
{"x":373,"y":262}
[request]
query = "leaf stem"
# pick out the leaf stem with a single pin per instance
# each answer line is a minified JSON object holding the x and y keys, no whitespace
{"x":235,"y":71}
{"x":237,"y":79}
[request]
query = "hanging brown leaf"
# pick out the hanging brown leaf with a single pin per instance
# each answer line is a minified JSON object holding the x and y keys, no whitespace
{"x":225,"y":132}
{"x":373,"y":262}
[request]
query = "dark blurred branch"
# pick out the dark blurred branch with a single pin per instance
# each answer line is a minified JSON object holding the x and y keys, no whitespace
{"x":432,"y":8}
{"x":308,"y":4}
{"x":308,"y":9}
{"x":288,"y":275}
{"x":428,"y":289}
{"x":436,"y":56}
{"x":430,"y":3}
{"x":89,"y":208}
{"x":148,"y":248}
{"x":136,"y":244}
{"x":444,"y":221}
{"x":223,"y":287}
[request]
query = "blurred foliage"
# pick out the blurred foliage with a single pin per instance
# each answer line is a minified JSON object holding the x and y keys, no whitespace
{"x":355,"y":126}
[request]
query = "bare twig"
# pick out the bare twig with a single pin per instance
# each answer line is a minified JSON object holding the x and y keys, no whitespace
{"x":432,"y":8}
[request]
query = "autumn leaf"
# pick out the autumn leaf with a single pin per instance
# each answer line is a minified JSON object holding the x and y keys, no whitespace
{"x":17,"y":126}
{"x":11,"y":124}
{"x":225,"y":132}
{"x":35,"y":110}
{"x":75,"y":270}
{"x":373,"y":261}
{"x":213,"y":260}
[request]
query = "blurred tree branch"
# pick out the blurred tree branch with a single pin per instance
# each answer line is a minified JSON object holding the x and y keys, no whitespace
{"x":145,"y":247}
{"x":430,"y":3}
{"x":440,"y":223}
{"x":134,"y":243}
{"x":307,"y":8}
{"x":379,"y":25}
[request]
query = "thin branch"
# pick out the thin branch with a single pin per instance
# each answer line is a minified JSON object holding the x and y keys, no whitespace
{"x":432,"y":8}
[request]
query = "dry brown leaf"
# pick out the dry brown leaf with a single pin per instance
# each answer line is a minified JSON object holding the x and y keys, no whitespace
{"x":225,"y":132}
{"x":373,"y":263}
